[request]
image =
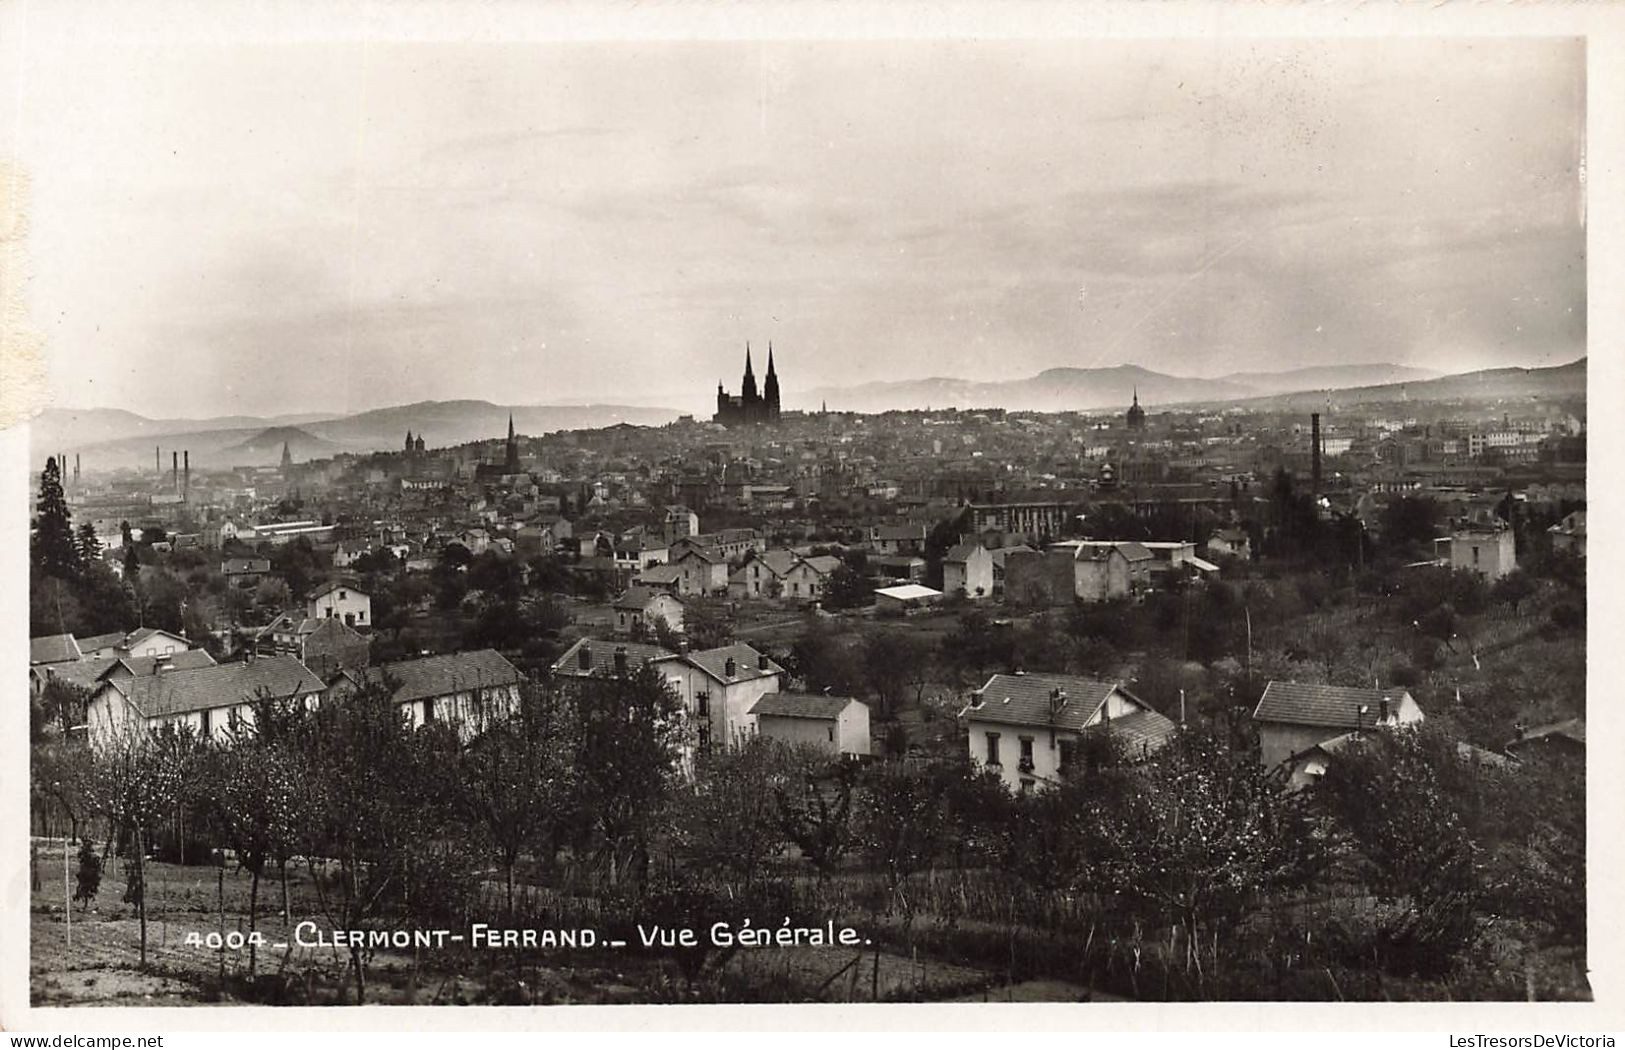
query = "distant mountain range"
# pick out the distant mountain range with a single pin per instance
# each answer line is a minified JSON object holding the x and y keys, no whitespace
{"x":1070,"y":389}
{"x":1490,"y":384}
{"x":110,"y":437}
{"x":107,"y":437}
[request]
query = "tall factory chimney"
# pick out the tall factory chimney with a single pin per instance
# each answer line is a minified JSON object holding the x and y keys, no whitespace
{"x":1314,"y":453}
{"x":157,"y":460}
{"x":174,"y":470}
{"x":76,"y":470}
{"x":186,"y":477}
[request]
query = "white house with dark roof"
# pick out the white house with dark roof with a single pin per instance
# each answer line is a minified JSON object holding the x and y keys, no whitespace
{"x":152,"y":641}
{"x":340,"y":601}
{"x":1027,"y":727}
{"x":968,"y":570}
{"x":720,"y":686}
{"x":212,"y":700}
{"x":465,"y":690}
{"x":837,"y":724}
{"x":639,"y":607}
{"x":1295,"y":717}
{"x":717,"y":687}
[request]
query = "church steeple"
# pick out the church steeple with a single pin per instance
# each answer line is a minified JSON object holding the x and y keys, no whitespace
{"x":747,"y":389}
{"x":770,"y":389}
{"x":510,"y":461}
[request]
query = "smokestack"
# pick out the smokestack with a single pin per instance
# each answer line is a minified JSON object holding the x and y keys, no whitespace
{"x":157,"y":460}
{"x":174,"y":469}
{"x":76,"y":468}
{"x":186,"y":463}
{"x":1314,"y":452}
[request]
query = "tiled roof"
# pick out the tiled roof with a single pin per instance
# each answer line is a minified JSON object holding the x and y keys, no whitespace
{"x":176,"y":692}
{"x":801,"y":705}
{"x":660,"y":574}
{"x":1337,"y":706}
{"x":100,"y":641}
{"x":333,"y":585}
{"x":432,"y":676}
{"x":186,"y":660}
{"x":963,"y":552}
{"x":1142,"y":732}
{"x":639,"y":597}
{"x":141,"y":634}
{"x":81,"y":674}
{"x":1133,"y":550}
{"x":601,"y":655}
{"x":714,"y":662}
{"x":53,"y":648}
{"x":233,"y":566}
{"x":823,"y":564}
{"x":778,"y":562}
{"x":1024,"y":700}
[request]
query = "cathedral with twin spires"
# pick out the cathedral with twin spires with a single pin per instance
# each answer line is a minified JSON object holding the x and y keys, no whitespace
{"x":750,"y":408}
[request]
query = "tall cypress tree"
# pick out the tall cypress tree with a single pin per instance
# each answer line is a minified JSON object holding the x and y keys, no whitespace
{"x":54,"y":550}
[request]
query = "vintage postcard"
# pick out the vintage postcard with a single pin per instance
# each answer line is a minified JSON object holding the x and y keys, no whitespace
{"x":839,"y":508}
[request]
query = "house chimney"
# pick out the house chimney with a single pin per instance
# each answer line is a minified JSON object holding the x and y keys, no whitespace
{"x":761,"y":661}
{"x":1314,"y":454}
{"x":620,"y":661}
{"x":730,"y":668}
{"x":584,"y":657}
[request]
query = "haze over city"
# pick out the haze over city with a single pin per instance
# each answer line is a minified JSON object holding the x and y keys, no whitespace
{"x":336,"y":228}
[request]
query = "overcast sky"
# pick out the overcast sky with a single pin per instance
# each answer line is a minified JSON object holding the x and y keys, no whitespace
{"x":331,"y":227}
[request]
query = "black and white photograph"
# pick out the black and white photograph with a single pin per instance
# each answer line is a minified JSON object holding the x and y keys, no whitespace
{"x":800,"y":520}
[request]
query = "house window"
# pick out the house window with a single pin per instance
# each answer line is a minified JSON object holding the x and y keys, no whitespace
{"x":342,"y":596}
{"x":993,"y":749}
{"x":705,"y":738}
{"x":349,"y":619}
{"x":207,"y":722}
{"x":702,"y":703}
{"x":428,"y":710}
{"x":1475,"y":555}
{"x":1027,"y":753}
{"x":832,"y":734}
{"x":1026,"y":785}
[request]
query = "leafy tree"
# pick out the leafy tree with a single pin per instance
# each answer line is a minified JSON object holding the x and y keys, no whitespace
{"x":901,"y":825}
{"x":708,"y":623}
{"x":1410,"y":523}
{"x":374,"y":808}
{"x":814,"y":805}
{"x":1199,"y":832}
{"x":515,"y":779}
{"x":54,"y":549}
{"x":827,"y":663}
{"x":1392,"y":793}
{"x":627,"y":739}
{"x":1513,"y":589}
{"x":725,"y":825}
{"x":892,"y":662}
{"x":848,"y":589}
